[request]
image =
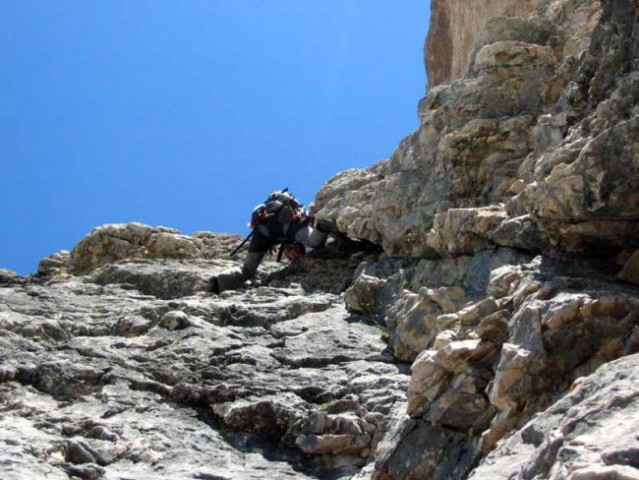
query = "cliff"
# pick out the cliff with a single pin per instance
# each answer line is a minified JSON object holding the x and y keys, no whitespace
{"x":482,"y":324}
{"x":457,"y":26}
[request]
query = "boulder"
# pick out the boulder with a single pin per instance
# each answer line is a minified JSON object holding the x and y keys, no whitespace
{"x":589,"y":433}
{"x":464,"y":231}
{"x":109,"y":244}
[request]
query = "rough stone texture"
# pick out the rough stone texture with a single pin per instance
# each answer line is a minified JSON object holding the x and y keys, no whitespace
{"x":459,"y":26}
{"x":508,"y":223}
{"x":56,"y":265}
{"x":579,"y":197}
{"x":534,"y":150}
{"x":110,"y":243}
{"x":455,"y":27}
{"x":462,"y":231}
{"x":476,"y":134}
{"x":590,"y":433}
{"x":135,"y":372}
{"x":586,"y":202}
{"x":489,"y":362}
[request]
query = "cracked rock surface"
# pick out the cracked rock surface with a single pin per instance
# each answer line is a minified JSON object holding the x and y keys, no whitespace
{"x":100,"y":380}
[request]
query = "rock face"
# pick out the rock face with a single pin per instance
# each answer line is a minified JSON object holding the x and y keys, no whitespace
{"x":455,"y":27}
{"x":513,"y":209}
{"x":458,"y":26}
{"x":483,"y":322}
{"x":486,"y":137}
{"x":109,"y":243}
{"x":586,"y":434}
{"x":133,"y":371}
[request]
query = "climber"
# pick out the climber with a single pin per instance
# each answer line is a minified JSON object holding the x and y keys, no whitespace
{"x":280,"y":220}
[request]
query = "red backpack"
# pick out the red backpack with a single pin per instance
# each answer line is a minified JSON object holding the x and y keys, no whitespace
{"x":279,"y":205}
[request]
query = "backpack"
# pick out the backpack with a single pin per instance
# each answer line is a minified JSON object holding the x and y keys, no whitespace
{"x":280,"y":206}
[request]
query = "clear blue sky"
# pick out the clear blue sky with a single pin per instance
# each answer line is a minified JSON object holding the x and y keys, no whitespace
{"x":186,"y":113}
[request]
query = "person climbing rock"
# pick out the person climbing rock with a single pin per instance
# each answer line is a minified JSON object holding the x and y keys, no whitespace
{"x":280,"y":220}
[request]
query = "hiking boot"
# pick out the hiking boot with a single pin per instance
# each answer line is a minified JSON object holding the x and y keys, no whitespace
{"x":328,"y":226}
{"x":214,"y":285}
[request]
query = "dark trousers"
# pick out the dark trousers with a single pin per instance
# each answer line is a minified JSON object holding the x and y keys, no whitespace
{"x":265,"y":237}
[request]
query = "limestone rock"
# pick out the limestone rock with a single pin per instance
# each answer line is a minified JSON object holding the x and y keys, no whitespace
{"x":447,"y":386}
{"x":160,"y":278}
{"x":135,"y":370}
{"x":505,"y":58}
{"x":520,"y":232}
{"x":422,"y":450}
{"x":10,"y":277}
{"x":586,"y":202}
{"x":455,"y":27}
{"x":414,"y":321}
{"x":324,"y":433}
{"x":579,"y":198}
{"x":474,"y":136}
{"x":504,"y":359}
{"x":519,"y":28}
{"x":363,"y":296}
{"x":504,"y":279}
{"x":471,"y":273}
{"x":376,"y":282}
{"x":589,"y":433}
{"x":555,"y":336}
{"x":464,"y":231}
{"x":508,"y":224}
{"x":110,"y":243}
{"x":56,"y":265}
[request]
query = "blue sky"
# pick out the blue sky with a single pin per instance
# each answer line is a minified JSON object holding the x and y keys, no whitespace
{"x":186,"y":113}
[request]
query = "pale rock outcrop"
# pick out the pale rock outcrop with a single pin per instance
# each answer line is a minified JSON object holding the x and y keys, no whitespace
{"x":414,"y":320}
{"x":505,"y":358}
{"x":110,"y":243}
{"x":587,"y":434}
{"x":458,"y":26}
{"x":498,"y":361}
{"x":462,"y":231}
{"x":134,"y":371}
{"x":56,"y":265}
{"x":418,"y":302}
{"x":580,"y":197}
{"x":455,"y":27}
{"x":475,"y":135}
{"x":509,"y":274}
{"x":585,"y":201}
